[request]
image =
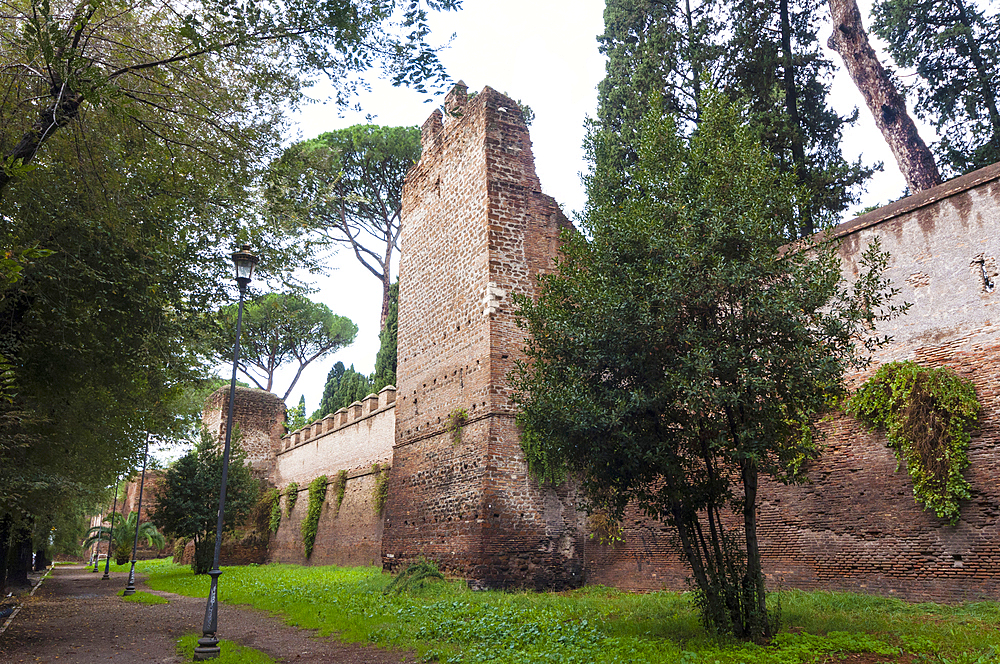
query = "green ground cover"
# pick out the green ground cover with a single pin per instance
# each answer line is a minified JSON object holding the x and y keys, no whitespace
{"x":230,"y":653}
{"x":142,"y":597}
{"x":447,"y":622}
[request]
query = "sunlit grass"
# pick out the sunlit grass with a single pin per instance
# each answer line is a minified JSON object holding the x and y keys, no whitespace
{"x":449,"y":623}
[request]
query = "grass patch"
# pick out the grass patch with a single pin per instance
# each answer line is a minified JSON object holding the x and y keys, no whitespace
{"x":446,"y":622}
{"x":231,"y":653}
{"x":142,"y":597}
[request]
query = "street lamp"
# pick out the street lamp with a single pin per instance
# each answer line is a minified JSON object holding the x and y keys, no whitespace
{"x":111,"y":535}
{"x":208,"y":644}
{"x":130,"y":588}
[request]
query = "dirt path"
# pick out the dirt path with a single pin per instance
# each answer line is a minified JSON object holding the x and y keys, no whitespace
{"x":76,"y":618}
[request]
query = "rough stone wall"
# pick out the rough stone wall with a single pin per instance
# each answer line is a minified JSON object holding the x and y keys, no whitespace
{"x":856,"y":526}
{"x":353,"y":438}
{"x":476,"y":230}
{"x":261,"y":417}
{"x":350,"y":535}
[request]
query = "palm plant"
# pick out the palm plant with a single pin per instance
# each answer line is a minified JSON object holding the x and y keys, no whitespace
{"x":124,"y":532}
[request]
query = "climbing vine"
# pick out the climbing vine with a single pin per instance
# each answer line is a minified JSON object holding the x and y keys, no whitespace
{"x":310,"y":525}
{"x":380,"y":492}
{"x":291,"y":495}
{"x":274,"y":496}
{"x":928,"y":416}
{"x":456,"y":420}
{"x":340,"y":487}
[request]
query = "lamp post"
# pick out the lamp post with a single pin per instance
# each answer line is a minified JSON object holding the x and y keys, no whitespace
{"x":130,"y":588}
{"x":111,"y":535}
{"x":208,"y":644}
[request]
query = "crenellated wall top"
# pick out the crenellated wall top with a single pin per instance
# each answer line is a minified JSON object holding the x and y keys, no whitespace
{"x":352,"y":414}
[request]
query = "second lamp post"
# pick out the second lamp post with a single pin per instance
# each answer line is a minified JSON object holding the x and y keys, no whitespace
{"x":208,"y":644}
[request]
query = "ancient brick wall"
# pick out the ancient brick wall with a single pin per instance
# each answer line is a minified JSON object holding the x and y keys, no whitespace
{"x":855,"y":525}
{"x":261,"y":418}
{"x":476,"y":230}
{"x":353,"y":438}
{"x":348,"y":535}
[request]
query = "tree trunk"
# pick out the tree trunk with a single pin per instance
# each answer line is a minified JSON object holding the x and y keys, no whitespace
{"x":755,"y":573}
{"x":21,"y":558}
{"x":41,"y":560}
{"x":888,"y":107}
{"x":60,"y":113}
{"x":5,"y":526}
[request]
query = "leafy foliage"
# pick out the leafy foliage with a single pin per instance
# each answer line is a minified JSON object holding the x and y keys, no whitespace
{"x":274,"y":497}
{"x":456,"y":420}
{"x":343,"y":387}
{"x":661,"y":55}
{"x":188,"y":505}
{"x":310,"y":524}
{"x":385,"y":361}
{"x":928,"y":416}
{"x":954,"y":46}
{"x":414,"y":576}
{"x":123,"y":535}
{"x":192,"y":77}
{"x":279,"y":328}
{"x":291,"y":496}
{"x":295,"y":418}
{"x":347,"y":186}
{"x":340,"y":487}
{"x":679,"y":351}
{"x":380,"y":492}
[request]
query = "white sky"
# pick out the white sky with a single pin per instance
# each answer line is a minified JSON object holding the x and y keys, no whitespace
{"x":543,"y":52}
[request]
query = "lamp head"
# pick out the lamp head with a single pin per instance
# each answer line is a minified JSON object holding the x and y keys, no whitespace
{"x":245,"y":263}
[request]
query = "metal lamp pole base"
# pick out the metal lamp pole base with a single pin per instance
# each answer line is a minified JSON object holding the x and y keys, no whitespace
{"x":208,"y":644}
{"x":130,"y":588}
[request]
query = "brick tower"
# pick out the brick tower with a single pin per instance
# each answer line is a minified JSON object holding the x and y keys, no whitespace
{"x":476,"y":230}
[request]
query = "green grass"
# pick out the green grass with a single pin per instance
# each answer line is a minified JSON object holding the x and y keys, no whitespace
{"x":447,"y":622}
{"x":231,"y":653}
{"x":142,"y":597}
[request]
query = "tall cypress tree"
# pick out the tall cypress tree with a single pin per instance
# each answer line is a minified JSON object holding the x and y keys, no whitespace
{"x":661,"y":52}
{"x":657,"y":53}
{"x":385,"y":361}
{"x":775,"y":63}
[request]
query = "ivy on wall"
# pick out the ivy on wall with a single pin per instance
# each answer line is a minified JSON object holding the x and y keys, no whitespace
{"x":274,"y":496}
{"x":291,"y":495}
{"x":310,"y":525}
{"x":380,"y":492}
{"x":928,"y":416}
{"x":340,"y":487}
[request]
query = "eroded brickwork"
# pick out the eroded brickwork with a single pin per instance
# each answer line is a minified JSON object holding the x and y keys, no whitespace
{"x":476,"y":230}
{"x":855,"y":525}
{"x":261,"y":418}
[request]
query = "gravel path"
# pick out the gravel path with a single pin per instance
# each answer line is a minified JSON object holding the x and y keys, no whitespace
{"x":76,"y":618}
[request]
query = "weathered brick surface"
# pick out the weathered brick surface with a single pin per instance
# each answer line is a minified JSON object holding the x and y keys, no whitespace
{"x":261,"y":417}
{"x":351,"y":535}
{"x":856,"y":526}
{"x":351,"y":439}
{"x":476,"y":230}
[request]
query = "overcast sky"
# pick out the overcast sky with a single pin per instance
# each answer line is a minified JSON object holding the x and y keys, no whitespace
{"x":544,"y":53}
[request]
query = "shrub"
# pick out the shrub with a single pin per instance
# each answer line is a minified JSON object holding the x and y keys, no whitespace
{"x":310,"y":525}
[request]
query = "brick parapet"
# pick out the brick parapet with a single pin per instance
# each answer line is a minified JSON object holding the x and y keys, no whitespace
{"x":352,"y":439}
